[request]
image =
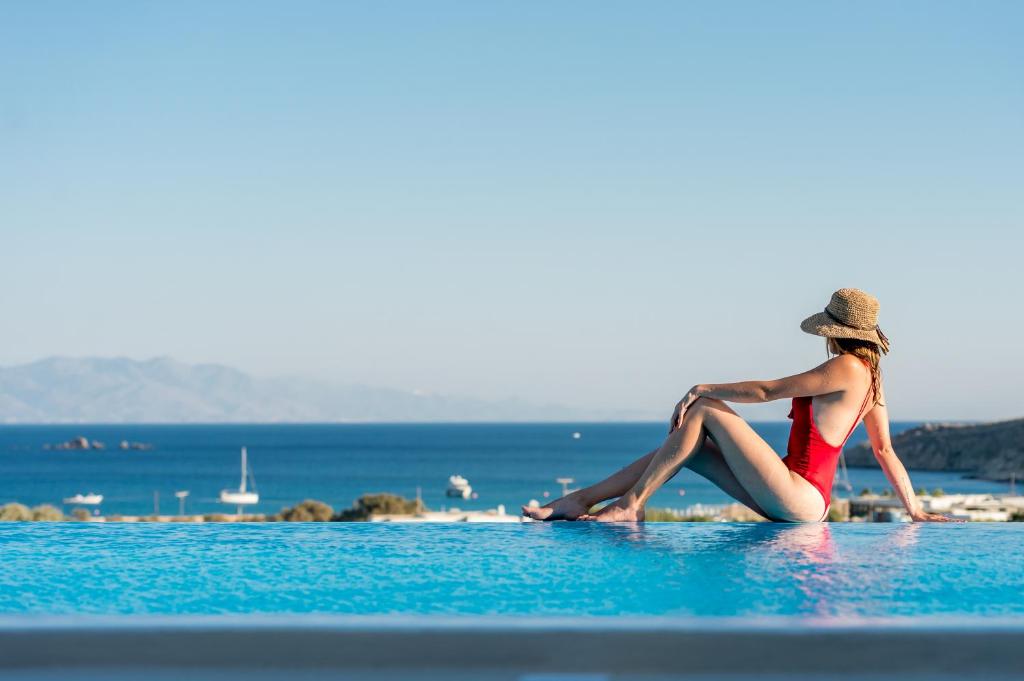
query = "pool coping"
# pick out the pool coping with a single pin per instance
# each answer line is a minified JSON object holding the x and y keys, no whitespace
{"x":608,"y":645}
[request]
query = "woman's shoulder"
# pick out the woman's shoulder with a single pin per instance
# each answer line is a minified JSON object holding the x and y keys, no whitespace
{"x":851,"y":370}
{"x":849,"y":363}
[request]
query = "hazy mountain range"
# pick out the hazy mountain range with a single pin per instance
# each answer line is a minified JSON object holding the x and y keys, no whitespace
{"x":162,"y":390}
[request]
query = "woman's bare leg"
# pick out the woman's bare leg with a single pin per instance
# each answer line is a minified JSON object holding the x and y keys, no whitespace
{"x":577,"y":503}
{"x":707,"y":462}
{"x":710,"y":463}
{"x":757,"y":468}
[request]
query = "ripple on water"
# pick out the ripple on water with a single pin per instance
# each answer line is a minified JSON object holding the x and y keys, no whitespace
{"x":665,"y":569}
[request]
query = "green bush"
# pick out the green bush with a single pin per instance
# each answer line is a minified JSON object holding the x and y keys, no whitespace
{"x":837,"y":514}
{"x":309,"y":511}
{"x":666,"y":515}
{"x":661,"y":515}
{"x":14,"y":512}
{"x":47,"y":513}
{"x":938,"y":492}
{"x":379,"y":504}
{"x":866,"y":492}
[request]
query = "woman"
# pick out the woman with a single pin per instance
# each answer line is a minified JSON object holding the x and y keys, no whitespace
{"x":708,"y":437}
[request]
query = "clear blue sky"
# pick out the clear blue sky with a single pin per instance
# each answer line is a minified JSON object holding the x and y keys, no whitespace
{"x":597,"y":204}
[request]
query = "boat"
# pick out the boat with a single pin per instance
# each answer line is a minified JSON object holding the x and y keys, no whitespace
{"x":458,"y":486}
{"x":90,"y":499}
{"x":841,"y":481}
{"x":242,"y":496}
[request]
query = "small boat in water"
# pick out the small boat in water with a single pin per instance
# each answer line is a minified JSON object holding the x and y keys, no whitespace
{"x":90,"y":499}
{"x":458,"y":486}
{"x":242,"y":496}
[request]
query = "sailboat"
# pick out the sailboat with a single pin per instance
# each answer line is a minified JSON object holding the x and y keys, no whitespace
{"x":842,"y":479}
{"x":90,"y":499}
{"x":241,"y":496}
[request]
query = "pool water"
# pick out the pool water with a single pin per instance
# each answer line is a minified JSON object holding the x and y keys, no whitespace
{"x":557,"y":569}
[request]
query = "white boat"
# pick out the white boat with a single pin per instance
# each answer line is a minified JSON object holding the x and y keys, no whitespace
{"x":458,"y":486}
{"x":89,"y":499}
{"x":242,"y":496}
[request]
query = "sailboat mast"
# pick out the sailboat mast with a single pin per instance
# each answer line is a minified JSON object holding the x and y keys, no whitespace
{"x":241,"y":488}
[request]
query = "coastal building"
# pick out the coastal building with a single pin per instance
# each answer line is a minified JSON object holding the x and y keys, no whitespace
{"x":974,"y":507}
{"x":452,"y":515}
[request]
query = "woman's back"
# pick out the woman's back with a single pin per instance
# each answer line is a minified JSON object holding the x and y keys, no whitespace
{"x":823,"y":423}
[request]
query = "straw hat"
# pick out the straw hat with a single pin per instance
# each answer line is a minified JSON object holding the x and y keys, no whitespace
{"x":851,"y":313}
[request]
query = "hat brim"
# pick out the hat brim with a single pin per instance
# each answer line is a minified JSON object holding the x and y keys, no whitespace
{"x":822,"y":325}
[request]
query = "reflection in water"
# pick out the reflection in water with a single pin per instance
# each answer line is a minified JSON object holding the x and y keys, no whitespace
{"x":810,"y":555}
{"x":564,"y":569}
{"x":709,"y":537}
{"x":796,"y":563}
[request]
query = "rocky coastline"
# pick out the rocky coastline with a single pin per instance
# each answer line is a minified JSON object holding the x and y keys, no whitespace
{"x":990,"y":451}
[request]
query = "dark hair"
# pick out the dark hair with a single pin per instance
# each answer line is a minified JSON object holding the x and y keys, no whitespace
{"x":864,"y":350}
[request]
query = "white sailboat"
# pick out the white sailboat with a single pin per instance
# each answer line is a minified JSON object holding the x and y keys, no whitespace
{"x":242,"y":496}
{"x":90,"y":499}
{"x":458,"y":486}
{"x":841,"y":481}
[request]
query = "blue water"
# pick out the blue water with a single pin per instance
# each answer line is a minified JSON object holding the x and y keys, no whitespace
{"x":663,"y":569}
{"x":507,"y":464}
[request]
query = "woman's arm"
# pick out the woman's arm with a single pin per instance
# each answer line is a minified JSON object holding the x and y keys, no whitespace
{"x":877,"y":423}
{"x":832,"y":376}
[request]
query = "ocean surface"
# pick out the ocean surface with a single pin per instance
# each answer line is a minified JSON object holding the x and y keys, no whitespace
{"x":820,"y":570}
{"x":505,"y":463}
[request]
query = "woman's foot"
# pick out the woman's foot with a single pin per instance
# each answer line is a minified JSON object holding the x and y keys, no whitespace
{"x":567,"y":508}
{"x":617,"y":512}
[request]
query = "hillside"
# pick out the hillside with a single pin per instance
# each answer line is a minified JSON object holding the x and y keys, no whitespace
{"x":162,"y":390}
{"x":992,"y":451}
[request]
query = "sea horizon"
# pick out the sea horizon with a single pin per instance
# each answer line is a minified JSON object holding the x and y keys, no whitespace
{"x":506,"y":463}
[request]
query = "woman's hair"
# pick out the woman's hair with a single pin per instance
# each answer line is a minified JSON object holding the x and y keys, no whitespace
{"x":865,"y":350}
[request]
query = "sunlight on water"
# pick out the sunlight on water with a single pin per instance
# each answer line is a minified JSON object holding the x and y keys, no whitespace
{"x":667,"y":569}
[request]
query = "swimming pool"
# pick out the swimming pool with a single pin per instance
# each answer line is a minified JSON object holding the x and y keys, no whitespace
{"x":197,"y":602}
{"x":838,"y":572}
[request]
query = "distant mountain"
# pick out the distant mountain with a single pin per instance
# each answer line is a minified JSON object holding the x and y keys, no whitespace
{"x":162,"y":390}
{"x":992,"y":451}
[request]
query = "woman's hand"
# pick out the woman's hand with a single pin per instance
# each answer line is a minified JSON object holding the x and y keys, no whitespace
{"x":923,"y":517}
{"x":677,"y":416}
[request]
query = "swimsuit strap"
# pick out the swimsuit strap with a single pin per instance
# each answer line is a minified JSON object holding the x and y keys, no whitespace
{"x":860,"y":415}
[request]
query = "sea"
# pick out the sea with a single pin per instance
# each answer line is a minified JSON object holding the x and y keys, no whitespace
{"x":506,"y":464}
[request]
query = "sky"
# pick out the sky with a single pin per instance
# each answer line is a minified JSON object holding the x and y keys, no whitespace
{"x":591,"y":204}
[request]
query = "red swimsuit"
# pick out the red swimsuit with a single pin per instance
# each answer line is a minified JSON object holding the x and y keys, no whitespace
{"x":808,"y":454}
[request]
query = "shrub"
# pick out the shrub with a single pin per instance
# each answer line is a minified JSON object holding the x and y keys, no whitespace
{"x":667,"y":515}
{"x":14,"y":512}
{"x":80,"y":514}
{"x":308,"y":511}
{"x":379,"y":504}
{"x":661,"y":515}
{"x":866,"y":492}
{"x":47,"y":513}
{"x":938,"y":492}
{"x":838,"y":514}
